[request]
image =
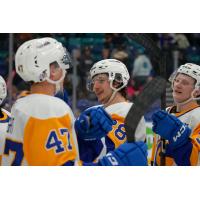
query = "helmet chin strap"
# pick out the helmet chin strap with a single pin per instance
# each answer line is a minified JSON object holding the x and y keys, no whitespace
{"x":57,"y":83}
{"x":192,"y":98}
{"x":115,"y":90}
{"x":110,"y":99}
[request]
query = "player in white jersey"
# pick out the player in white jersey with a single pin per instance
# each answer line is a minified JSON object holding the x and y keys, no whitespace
{"x":182,"y":148}
{"x":4,"y":115}
{"x":108,"y":80}
{"x":41,"y":129}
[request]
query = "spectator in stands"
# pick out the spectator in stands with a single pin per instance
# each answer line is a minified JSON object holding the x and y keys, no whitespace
{"x":105,"y":53}
{"x":142,"y":69}
{"x":132,"y":91}
{"x":85,"y":64}
{"x":182,"y":41}
{"x":108,"y":41}
{"x":166,"y":40}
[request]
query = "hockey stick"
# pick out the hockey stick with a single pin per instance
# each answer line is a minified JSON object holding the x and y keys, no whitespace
{"x":153,"y":90}
{"x":144,"y":100}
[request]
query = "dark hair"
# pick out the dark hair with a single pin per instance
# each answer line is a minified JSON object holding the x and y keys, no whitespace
{"x":123,"y":90}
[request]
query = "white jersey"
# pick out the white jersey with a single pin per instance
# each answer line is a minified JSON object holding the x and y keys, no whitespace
{"x":191,"y":117}
{"x":3,"y":129}
{"x":120,"y":111}
{"x":41,"y":132}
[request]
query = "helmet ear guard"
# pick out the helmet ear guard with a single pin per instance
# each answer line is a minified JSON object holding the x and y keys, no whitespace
{"x":89,"y":84}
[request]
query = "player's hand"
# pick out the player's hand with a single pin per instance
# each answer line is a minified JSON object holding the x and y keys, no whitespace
{"x":127,"y":154}
{"x":170,"y":128}
{"x":94,"y":123}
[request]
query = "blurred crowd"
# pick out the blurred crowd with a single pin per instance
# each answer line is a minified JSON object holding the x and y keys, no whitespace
{"x":87,"y":48}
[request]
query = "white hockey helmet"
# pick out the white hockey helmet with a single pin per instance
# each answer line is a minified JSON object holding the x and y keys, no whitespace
{"x":3,"y":90}
{"x":191,"y":70}
{"x":115,"y":69}
{"x":33,"y":58}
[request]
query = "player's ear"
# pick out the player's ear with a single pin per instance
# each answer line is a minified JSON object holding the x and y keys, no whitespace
{"x":197,"y":93}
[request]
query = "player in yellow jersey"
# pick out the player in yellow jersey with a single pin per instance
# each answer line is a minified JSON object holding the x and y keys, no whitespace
{"x":182,"y":146}
{"x":41,"y":129}
{"x":4,"y":115}
{"x":108,"y":80}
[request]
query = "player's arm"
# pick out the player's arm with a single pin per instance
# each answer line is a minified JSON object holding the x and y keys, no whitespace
{"x":180,"y":147}
{"x":195,"y":138}
{"x":127,"y":154}
{"x":92,"y":125}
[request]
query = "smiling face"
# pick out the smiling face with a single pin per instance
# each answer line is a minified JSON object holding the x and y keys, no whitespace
{"x":101,"y":88}
{"x":183,"y":86}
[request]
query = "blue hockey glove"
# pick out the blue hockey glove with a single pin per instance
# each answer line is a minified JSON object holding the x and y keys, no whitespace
{"x":94,"y":123}
{"x":127,"y":154}
{"x":170,"y":128}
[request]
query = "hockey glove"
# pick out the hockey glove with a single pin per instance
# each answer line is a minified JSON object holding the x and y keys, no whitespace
{"x":170,"y":128}
{"x":127,"y":154}
{"x":94,"y":123}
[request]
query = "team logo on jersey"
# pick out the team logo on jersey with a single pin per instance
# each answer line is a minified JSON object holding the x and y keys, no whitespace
{"x":10,"y":125}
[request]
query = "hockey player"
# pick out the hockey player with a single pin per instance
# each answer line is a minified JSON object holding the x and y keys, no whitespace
{"x":4,"y":115}
{"x":182,"y":147}
{"x":41,"y":129}
{"x":108,"y":80}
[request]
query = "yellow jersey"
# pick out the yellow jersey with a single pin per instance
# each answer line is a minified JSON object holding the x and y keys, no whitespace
{"x":40,"y":132}
{"x":3,"y":129}
{"x":191,"y":117}
{"x":92,"y":151}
